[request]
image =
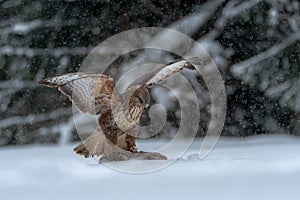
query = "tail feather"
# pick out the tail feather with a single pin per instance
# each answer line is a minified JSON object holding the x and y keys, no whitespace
{"x":81,"y":150}
{"x":93,"y":146}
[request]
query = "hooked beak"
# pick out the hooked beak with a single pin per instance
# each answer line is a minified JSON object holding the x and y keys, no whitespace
{"x":147,"y":105}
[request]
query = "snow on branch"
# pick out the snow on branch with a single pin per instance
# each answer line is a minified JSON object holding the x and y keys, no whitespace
{"x":229,"y":11}
{"x":26,"y":27}
{"x":23,"y":28}
{"x":285,"y":91}
{"x":30,"y":52}
{"x":232,"y":10}
{"x":152,"y":8}
{"x":35,"y":118}
{"x":240,"y":68}
{"x":16,"y":84}
{"x":191,"y":23}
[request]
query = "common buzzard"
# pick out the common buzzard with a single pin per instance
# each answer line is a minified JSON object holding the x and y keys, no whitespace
{"x":119,"y":113}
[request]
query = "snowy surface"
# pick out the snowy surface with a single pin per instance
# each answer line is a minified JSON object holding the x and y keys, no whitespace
{"x":259,"y":167}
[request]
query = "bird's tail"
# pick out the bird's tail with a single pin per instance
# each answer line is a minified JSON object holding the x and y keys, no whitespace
{"x":94,"y":145}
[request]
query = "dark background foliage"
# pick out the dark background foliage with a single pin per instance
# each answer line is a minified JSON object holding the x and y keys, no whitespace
{"x":254,"y":43}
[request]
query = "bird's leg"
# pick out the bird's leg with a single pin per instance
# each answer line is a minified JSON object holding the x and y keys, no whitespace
{"x":130,"y":140}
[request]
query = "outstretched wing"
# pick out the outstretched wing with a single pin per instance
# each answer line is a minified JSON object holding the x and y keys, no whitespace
{"x":153,"y":78}
{"x":90,"y":93}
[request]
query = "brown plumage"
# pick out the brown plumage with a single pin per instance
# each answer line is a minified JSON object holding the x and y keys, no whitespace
{"x":119,"y":114}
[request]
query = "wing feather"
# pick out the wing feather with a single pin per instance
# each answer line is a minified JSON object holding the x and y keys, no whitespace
{"x":166,"y":71}
{"x":90,"y":93}
{"x":162,"y":73}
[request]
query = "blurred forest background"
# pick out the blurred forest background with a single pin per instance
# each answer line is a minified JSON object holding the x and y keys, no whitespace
{"x":255,"y":44}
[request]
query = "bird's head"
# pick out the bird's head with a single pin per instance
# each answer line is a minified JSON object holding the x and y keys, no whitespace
{"x":138,"y":98}
{"x":141,"y":97}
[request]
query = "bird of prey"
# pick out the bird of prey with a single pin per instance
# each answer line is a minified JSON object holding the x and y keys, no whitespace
{"x":119,"y":113}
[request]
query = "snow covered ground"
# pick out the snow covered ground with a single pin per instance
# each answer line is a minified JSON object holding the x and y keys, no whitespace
{"x":258,"y":167}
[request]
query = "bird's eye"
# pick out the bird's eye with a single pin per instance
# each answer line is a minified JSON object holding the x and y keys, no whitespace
{"x":150,"y":85}
{"x":141,"y":100}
